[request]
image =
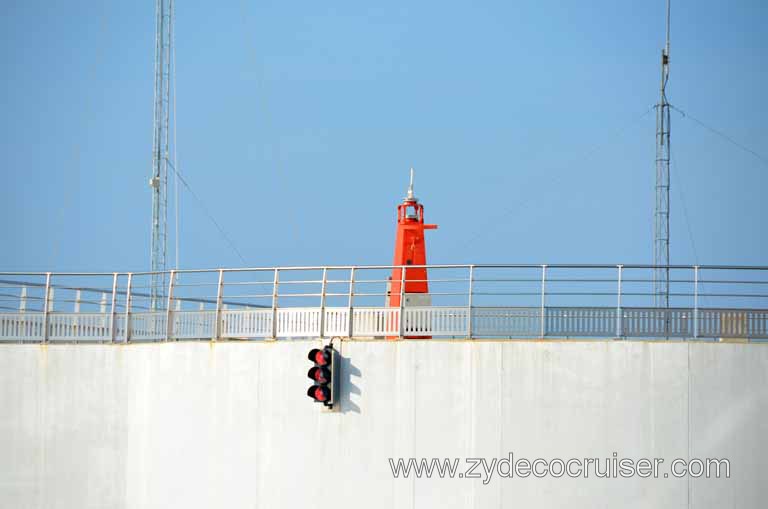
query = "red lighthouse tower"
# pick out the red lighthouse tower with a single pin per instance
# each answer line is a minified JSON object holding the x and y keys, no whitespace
{"x":410,"y":249}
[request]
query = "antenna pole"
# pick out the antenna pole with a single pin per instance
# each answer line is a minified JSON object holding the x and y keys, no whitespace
{"x":160,"y":149}
{"x":661,"y":216}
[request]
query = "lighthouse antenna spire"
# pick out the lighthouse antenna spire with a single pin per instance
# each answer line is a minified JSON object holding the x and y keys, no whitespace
{"x":410,"y":196}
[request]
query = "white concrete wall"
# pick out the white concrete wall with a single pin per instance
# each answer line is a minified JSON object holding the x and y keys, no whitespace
{"x":229,"y":424}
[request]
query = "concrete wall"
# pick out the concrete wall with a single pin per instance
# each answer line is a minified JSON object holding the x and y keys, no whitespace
{"x":229,"y":424}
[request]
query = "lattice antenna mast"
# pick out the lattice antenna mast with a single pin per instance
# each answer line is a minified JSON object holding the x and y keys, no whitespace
{"x":160,"y":147}
{"x":661,"y":222}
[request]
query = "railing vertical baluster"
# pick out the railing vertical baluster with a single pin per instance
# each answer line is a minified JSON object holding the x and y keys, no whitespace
{"x":128,"y":308}
{"x":46,"y":306}
{"x":350,"y":308}
{"x":402,"y":301}
{"x":618,"y":304}
{"x":113,"y":310}
{"x":219,"y":296}
{"x":543,"y":297}
{"x":695,"y":301}
{"x":322,"y":302}
{"x":275,"y":283}
{"x":469,"y":301}
{"x":169,"y":307}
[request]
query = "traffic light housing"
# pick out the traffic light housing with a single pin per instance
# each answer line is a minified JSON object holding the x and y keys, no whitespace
{"x":324,"y":375}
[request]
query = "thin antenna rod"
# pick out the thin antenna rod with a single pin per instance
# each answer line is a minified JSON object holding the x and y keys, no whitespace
{"x":668,"y":15}
{"x":661,"y":216}
{"x":176,"y":169}
{"x":410,"y":187}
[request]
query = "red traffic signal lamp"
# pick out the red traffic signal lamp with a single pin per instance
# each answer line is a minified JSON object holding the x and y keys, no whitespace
{"x":324,"y":375}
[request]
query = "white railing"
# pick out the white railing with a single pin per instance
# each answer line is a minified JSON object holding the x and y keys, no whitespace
{"x":506,"y":321}
{"x":26,"y":326}
{"x":436,"y":321}
{"x":375,"y":322}
{"x":246,"y":324}
{"x":592,"y":322}
{"x":79,"y":327}
{"x":193,"y":324}
{"x":467,"y":301}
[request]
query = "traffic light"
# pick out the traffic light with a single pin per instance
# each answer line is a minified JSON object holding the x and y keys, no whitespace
{"x":324,"y":375}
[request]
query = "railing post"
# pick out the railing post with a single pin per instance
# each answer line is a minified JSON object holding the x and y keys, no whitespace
{"x":113,"y":310}
{"x":350,"y":308}
{"x":543,"y":298}
{"x":200,"y":322}
{"x":219,"y":298}
{"x":46,"y":306}
{"x":696,"y":301}
{"x":23,"y":300}
{"x":322,"y":302}
{"x":469,"y":301}
{"x":275,"y":284}
{"x":74,"y":328}
{"x":618,"y":304}
{"x":169,"y":307}
{"x":402,"y":301}
{"x":102,"y":312}
{"x":128,"y":308}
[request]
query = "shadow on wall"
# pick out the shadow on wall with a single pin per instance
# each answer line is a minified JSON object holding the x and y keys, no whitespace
{"x":347,"y":387}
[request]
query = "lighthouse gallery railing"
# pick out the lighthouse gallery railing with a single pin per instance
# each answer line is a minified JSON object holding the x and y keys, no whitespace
{"x":465,"y":301}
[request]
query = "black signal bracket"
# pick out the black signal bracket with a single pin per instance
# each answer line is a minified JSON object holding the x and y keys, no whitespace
{"x":334,"y":404}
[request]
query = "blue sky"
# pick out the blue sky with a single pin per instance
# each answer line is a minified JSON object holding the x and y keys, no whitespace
{"x":527,"y":122}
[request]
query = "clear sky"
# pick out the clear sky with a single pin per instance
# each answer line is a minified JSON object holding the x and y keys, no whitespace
{"x":527,"y":122}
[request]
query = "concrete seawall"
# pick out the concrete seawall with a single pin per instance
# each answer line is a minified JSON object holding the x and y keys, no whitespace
{"x":198,"y":424}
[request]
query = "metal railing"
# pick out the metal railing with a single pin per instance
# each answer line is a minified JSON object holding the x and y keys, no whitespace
{"x":465,"y":301}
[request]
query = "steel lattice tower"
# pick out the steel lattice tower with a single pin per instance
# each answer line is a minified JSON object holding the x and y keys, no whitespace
{"x":160,"y":147}
{"x":661,"y":217}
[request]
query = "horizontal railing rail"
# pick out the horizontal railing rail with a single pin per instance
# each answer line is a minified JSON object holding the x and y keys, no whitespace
{"x":707,"y":302}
